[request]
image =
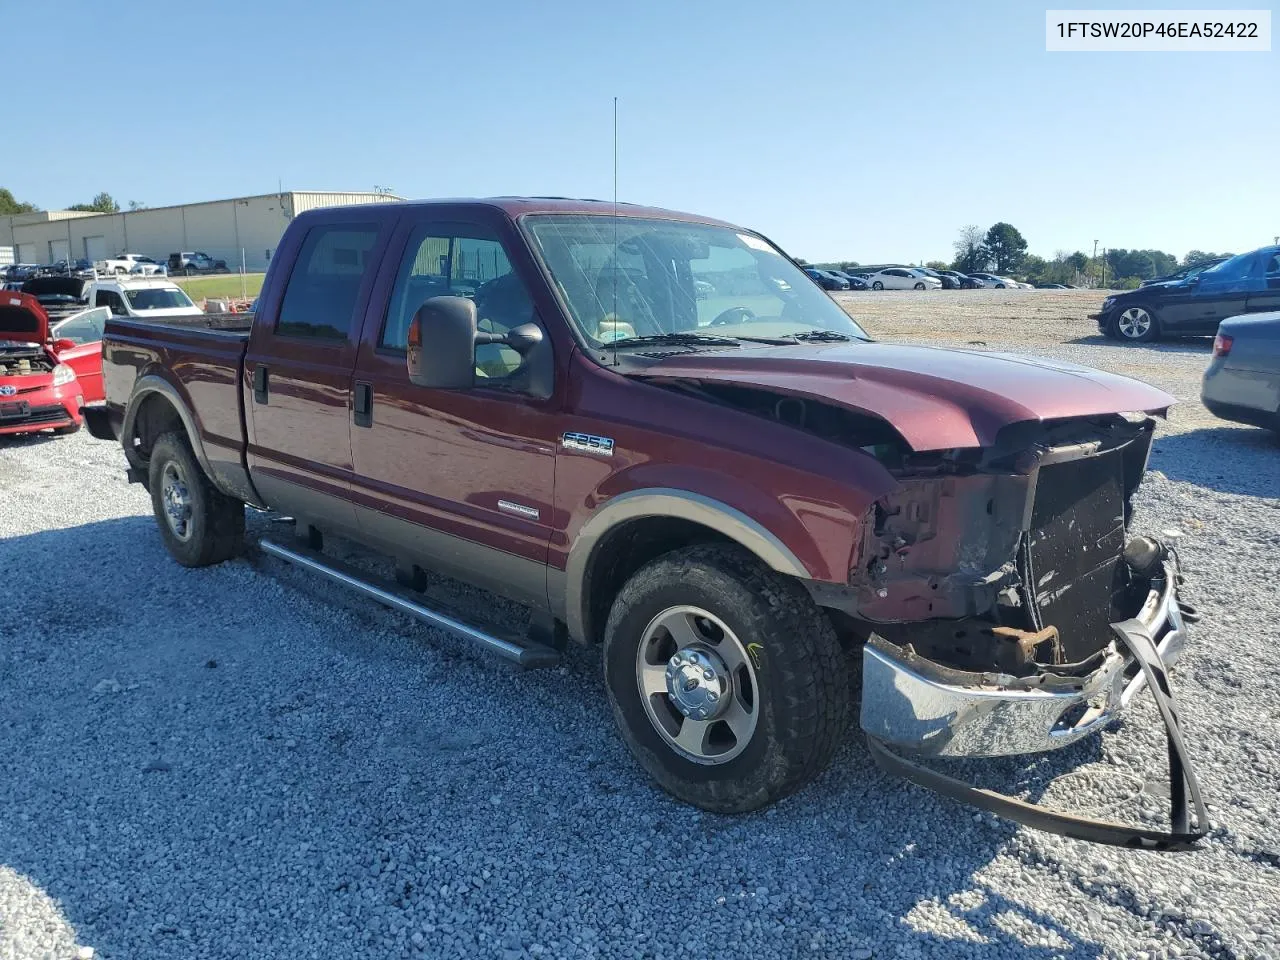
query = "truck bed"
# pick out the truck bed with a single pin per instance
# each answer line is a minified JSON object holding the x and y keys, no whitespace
{"x":219,"y":323}
{"x":198,"y":361}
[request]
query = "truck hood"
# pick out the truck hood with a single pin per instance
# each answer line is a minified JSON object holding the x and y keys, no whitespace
{"x":169,"y":312}
{"x":936,"y":398}
{"x":22,"y":319}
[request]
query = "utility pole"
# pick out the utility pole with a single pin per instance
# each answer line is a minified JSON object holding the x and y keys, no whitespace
{"x":1095,"y":253}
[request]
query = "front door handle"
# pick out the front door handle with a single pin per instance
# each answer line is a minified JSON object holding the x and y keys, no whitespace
{"x":260,"y":383}
{"x":362,"y":404}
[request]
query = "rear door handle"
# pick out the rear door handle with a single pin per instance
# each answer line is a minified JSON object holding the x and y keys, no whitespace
{"x":260,"y":379}
{"x":362,"y":404}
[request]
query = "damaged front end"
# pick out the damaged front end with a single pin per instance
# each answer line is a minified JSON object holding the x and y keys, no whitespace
{"x":1008,"y":611}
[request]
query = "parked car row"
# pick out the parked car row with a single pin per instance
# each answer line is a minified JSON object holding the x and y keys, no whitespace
{"x":187,"y":263}
{"x":914,"y":278}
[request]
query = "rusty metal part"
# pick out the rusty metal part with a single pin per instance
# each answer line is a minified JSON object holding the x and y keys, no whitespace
{"x":1028,"y":641}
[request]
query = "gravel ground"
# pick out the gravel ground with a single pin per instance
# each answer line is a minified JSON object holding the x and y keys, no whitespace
{"x":233,"y":762}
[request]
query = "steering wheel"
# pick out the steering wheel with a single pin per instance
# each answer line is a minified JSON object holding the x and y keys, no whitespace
{"x":733,"y":315}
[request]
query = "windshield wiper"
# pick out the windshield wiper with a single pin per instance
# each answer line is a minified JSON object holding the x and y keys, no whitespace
{"x":678,"y":339}
{"x":829,"y":336}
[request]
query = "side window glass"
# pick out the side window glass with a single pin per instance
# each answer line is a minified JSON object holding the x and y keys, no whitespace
{"x":459,"y":261}
{"x":321,"y":295}
{"x":1232,"y":271}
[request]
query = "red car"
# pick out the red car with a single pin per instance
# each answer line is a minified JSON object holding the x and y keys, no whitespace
{"x":45,"y":383}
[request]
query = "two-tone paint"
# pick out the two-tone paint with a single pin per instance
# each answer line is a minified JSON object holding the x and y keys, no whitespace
{"x":426,"y":475}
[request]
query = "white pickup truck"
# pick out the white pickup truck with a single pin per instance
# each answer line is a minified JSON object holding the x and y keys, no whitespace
{"x":134,"y":263}
{"x":143,"y":298}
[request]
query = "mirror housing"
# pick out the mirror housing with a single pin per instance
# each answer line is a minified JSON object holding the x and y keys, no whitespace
{"x":449,"y":325}
{"x":523,"y":339}
{"x":64,"y":343}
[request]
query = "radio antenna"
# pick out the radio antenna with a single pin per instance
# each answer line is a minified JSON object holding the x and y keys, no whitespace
{"x":615,"y":232}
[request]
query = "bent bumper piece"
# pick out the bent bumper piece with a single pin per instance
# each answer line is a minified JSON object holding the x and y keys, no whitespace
{"x":913,"y":704}
{"x":993,"y":716}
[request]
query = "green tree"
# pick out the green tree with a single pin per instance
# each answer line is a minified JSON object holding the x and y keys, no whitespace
{"x":1198,"y":256}
{"x":1005,"y":247}
{"x":1037,"y":269}
{"x":971,"y":255}
{"x":9,"y":205}
{"x":1078,"y":261}
{"x":102,"y":203}
{"x":937,"y":265}
{"x":1143,"y":264}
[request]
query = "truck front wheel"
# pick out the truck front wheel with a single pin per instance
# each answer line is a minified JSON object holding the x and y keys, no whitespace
{"x":199,"y":524}
{"x":727,"y":681}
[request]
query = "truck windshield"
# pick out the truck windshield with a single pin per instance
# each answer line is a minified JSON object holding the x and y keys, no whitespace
{"x":158,"y":299}
{"x":630,"y":277}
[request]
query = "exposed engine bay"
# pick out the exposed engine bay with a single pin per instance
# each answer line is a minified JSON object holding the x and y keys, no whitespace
{"x":1004,"y":608}
{"x":20,"y":360}
{"x":1012,"y":559}
{"x":1016,"y":560}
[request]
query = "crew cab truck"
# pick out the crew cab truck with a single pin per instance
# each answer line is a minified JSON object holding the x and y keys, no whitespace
{"x":731,"y":493}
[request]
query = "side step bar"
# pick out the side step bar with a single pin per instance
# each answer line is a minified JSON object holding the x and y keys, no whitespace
{"x":505,"y":643}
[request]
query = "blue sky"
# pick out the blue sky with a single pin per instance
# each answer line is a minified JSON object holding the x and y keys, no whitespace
{"x":868,"y":132}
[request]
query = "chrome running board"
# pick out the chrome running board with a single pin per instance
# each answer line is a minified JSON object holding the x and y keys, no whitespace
{"x":506,"y":644}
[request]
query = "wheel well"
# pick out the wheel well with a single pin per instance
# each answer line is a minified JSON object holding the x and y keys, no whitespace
{"x":156,"y":416}
{"x":623,"y":551}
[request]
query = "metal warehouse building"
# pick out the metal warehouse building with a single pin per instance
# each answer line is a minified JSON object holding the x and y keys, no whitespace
{"x":220,"y":228}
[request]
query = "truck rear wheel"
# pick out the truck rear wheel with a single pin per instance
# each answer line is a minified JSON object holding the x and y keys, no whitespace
{"x":199,"y":524}
{"x":728,"y":683}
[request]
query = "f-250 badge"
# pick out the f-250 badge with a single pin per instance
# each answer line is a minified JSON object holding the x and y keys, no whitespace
{"x":587,"y":443}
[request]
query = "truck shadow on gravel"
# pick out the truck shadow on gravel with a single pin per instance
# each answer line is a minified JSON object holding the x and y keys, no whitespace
{"x":1231,"y":459}
{"x":223,"y":762}
{"x":1195,"y":345}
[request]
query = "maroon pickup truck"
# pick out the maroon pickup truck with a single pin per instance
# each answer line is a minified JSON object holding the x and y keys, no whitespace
{"x":662,"y":437}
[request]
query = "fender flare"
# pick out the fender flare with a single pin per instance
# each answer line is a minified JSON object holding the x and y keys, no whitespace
{"x":153,"y":383}
{"x":667,"y":502}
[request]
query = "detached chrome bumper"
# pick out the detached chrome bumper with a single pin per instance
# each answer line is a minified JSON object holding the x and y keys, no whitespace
{"x":914,"y":705}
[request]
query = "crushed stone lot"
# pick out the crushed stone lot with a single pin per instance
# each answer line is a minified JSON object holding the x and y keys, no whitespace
{"x":238,"y":762}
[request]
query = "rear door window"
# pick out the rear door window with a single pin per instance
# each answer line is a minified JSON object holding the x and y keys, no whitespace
{"x":320,"y":300}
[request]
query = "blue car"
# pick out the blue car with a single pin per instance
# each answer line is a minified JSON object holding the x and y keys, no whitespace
{"x":826,"y":280}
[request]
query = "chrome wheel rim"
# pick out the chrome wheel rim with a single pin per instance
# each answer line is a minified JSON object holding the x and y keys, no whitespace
{"x":1134,"y":323}
{"x":697,"y":684}
{"x":175,"y":498}
{"x":877,"y":285}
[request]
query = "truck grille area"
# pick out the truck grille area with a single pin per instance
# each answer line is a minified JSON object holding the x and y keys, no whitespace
{"x":1073,"y":572}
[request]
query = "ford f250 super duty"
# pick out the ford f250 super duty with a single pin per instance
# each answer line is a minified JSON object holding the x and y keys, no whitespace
{"x":663,"y":438}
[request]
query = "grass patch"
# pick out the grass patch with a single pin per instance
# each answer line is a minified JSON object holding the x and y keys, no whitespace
{"x":223,"y":285}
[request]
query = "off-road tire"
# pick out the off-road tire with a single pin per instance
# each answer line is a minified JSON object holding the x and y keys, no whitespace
{"x":802,"y":676}
{"x":217,"y":521}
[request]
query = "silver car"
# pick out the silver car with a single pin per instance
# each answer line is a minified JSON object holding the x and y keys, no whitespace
{"x":1243,"y":379}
